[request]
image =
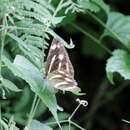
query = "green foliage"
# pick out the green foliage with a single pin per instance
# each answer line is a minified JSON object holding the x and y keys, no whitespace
{"x":102,"y":5}
{"x":27,"y":24}
{"x":119,"y":63}
{"x":36,"y":125}
{"x":83,"y":5}
{"x":35,"y":79}
{"x":93,"y":5}
{"x":10,"y":85}
{"x":26,"y":27}
{"x":119,"y":25}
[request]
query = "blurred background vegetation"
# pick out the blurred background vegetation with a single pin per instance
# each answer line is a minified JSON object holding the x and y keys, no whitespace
{"x":108,"y":104}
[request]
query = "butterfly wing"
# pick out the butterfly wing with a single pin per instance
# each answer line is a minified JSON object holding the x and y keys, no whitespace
{"x":58,"y":59}
{"x":59,"y":69}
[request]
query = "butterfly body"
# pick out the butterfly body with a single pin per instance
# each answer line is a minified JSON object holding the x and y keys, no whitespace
{"x":59,"y":70}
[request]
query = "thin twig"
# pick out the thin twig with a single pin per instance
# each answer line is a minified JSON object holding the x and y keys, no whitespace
{"x":5,"y":126}
{"x":71,"y":116}
{"x":52,"y":123}
{"x":32,"y":111}
{"x":81,"y":128}
{"x":2,"y":42}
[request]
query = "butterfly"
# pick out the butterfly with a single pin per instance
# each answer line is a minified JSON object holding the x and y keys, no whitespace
{"x":59,"y":70}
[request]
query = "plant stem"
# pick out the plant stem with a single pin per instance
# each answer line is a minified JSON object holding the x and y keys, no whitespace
{"x":81,"y":128}
{"x":31,"y":114}
{"x":93,"y":38}
{"x":12,"y":27}
{"x":3,"y":33}
{"x":0,"y":117}
{"x":1,"y":53}
{"x":74,"y":112}
{"x":54,"y":14}
{"x":58,"y":8}
{"x":106,"y":27}
{"x":71,"y":116}
{"x":69,"y":125}
{"x":3,"y":124}
{"x":52,"y":123}
{"x":42,"y":64}
{"x":35,"y":108}
{"x":65,"y":121}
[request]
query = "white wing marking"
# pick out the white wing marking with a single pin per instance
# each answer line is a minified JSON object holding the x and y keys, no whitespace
{"x":55,"y":77}
{"x":68,"y":79}
{"x":59,"y":66}
{"x":67,"y":67}
{"x":61,"y":83}
{"x":70,"y":88}
{"x":52,"y":61}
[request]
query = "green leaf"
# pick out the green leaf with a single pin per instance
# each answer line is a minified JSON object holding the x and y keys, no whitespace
{"x":12,"y":124}
{"x":89,"y":5}
{"x":35,"y":79}
{"x":102,"y":5}
{"x":27,"y":71}
{"x":57,"y":20}
{"x":13,"y":127}
{"x":36,"y":125}
{"x":120,"y":25}
{"x":9,"y":64}
{"x":120,"y":63}
{"x":10,"y":85}
{"x":31,"y":51}
{"x":65,"y":127}
{"x":62,"y":116}
{"x":20,"y":42}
